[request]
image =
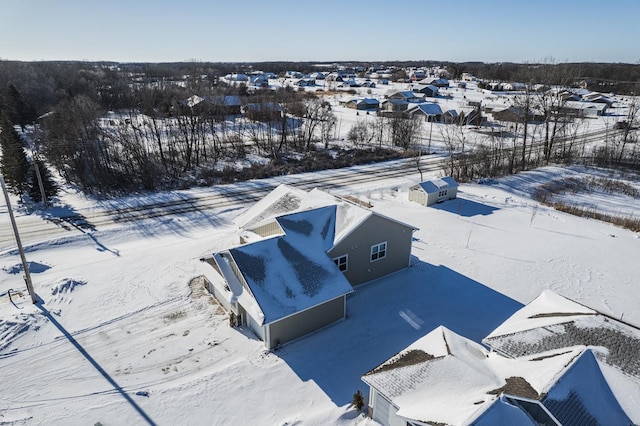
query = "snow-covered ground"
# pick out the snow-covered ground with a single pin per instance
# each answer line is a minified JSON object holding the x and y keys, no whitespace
{"x":123,"y":335}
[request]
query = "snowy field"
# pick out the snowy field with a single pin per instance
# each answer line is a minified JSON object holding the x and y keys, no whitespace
{"x":123,"y":335}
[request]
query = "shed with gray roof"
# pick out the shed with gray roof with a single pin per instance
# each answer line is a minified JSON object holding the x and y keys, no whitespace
{"x":434,"y":191}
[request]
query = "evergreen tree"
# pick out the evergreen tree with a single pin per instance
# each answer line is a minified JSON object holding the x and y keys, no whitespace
{"x":14,"y":166}
{"x":358,"y":401}
{"x":16,"y":109}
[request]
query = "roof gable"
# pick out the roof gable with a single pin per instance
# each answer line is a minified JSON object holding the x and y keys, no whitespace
{"x":428,"y":108}
{"x":583,"y":396}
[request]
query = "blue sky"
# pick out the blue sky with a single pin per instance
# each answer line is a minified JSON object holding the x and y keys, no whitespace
{"x":327,"y":30}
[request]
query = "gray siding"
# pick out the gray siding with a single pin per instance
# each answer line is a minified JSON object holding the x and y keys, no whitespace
{"x":305,"y":322}
{"x":357,"y":245}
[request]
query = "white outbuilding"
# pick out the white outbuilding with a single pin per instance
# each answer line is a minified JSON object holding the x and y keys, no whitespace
{"x":434,"y":191}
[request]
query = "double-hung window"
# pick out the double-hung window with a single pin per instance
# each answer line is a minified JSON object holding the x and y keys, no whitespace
{"x":378,"y":251}
{"x":342,"y":262}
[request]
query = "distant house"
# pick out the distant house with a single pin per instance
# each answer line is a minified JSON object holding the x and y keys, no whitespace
{"x":450,"y":116}
{"x":406,"y":95}
{"x":365,"y":104}
{"x":438,"y":82}
{"x":394,"y":105}
{"x":596,"y":97}
{"x":515,"y":114}
{"x":434,"y":191}
{"x":293,"y":74}
{"x":259,"y":80}
{"x":429,"y":90}
{"x":583,"y":109}
{"x":237,"y":77}
{"x":225,"y":105}
{"x":428,"y":110}
{"x":265,"y":112}
{"x":300,"y":254}
{"x":306,"y":82}
{"x":446,"y":379}
{"x":417,"y":75}
{"x":513,"y":86}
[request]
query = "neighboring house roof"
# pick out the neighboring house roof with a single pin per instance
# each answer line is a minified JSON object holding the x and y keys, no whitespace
{"x":441,"y":82}
{"x":553,"y":322}
{"x":263,"y":107}
{"x":369,"y":101}
{"x":584,"y":106}
{"x":407,"y":95}
{"x":509,"y":410}
{"x":395,"y":101}
{"x":435,"y":185}
{"x":598,"y":98}
{"x":444,"y":378}
{"x":427,"y":108}
{"x":422,"y":87}
{"x":230,"y":100}
{"x":291,"y":272}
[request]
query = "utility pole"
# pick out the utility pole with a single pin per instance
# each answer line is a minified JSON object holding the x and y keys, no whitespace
{"x":43,"y":194}
{"x":36,"y":163}
{"x":25,"y":265}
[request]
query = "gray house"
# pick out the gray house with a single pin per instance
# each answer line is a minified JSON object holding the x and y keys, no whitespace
{"x":285,"y":286}
{"x":430,"y":111}
{"x":300,"y":254}
{"x":434,"y":191}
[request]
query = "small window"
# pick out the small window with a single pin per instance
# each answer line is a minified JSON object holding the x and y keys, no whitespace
{"x":378,"y":251}
{"x":342,"y":262}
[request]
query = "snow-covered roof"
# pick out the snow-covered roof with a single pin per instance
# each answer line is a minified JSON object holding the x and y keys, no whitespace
{"x":282,"y":200}
{"x":370,"y":101}
{"x":435,"y":185}
{"x":582,"y":105}
{"x":553,"y":322}
{"x":446,"y":378}
{"x":287,"y":199}
{"x":420,"y":87}
{"x":292,"y":272}
{"x":229,"y":100}
{"x":435,"y":81}
{"x":427,"y":108}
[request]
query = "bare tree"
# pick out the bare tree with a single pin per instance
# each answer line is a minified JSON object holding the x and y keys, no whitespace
{"x":404,"y":131}
{"x":360,"y":133}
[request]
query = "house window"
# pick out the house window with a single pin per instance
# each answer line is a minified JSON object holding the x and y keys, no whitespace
{"x":342,"y":262}
{"x":442,"y":193}
{"x":378,"y":251}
